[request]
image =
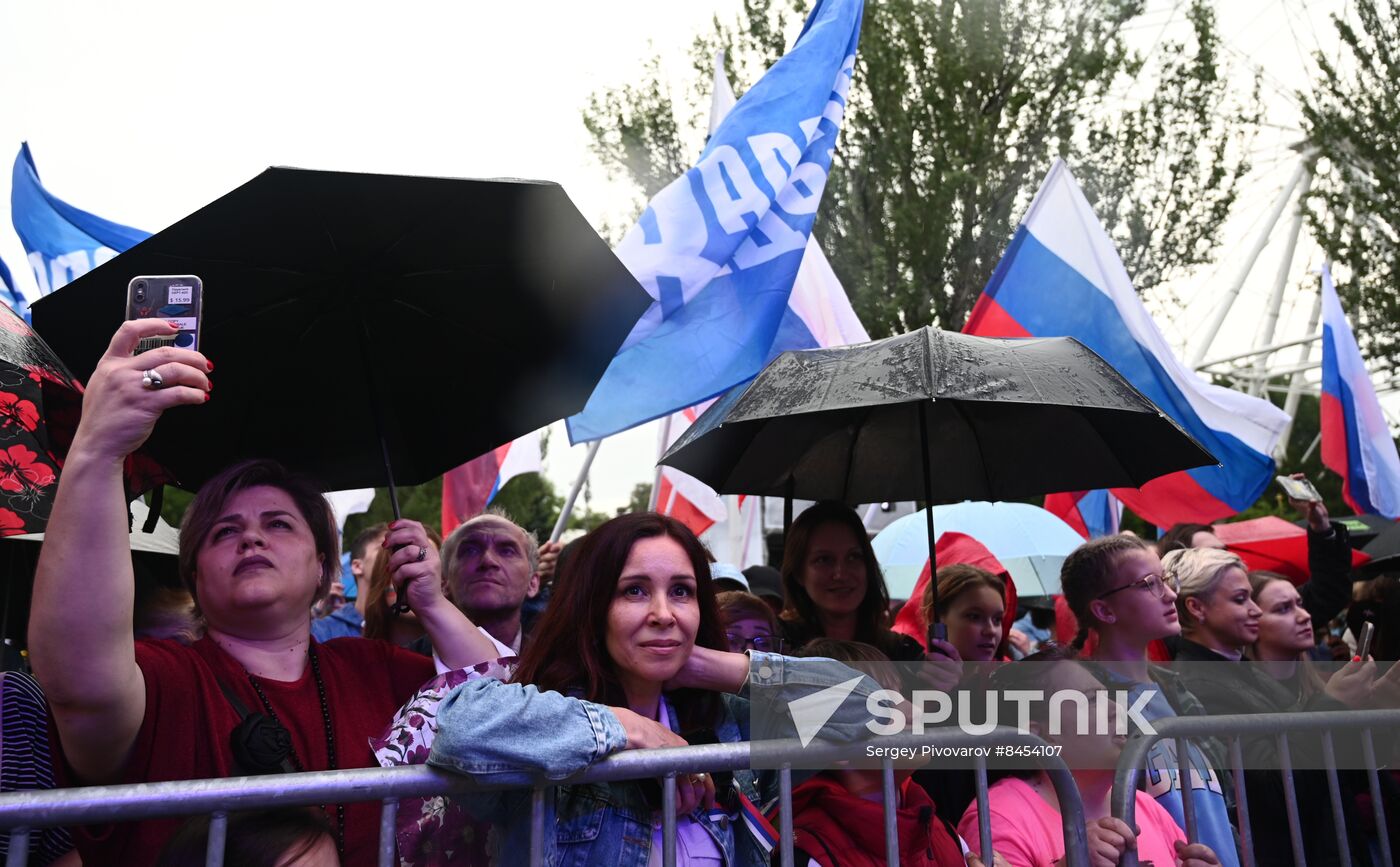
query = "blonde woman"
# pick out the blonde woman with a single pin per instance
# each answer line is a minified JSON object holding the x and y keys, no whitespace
{"x":1225,"y":616}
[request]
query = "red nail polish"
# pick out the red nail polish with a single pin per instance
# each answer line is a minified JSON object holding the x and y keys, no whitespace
{"x":207,"y":395}
{"x":209,"y":365}
{"x":1356,"y":659}
{"x":174,"y":325}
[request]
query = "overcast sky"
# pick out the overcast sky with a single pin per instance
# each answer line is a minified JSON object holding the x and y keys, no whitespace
{"x":143,"y":112}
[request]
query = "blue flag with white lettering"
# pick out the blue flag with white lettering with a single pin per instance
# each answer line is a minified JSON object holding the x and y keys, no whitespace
{"x":719,"y":247}
{"x":11,"y":296}
{"x":63,"y":242}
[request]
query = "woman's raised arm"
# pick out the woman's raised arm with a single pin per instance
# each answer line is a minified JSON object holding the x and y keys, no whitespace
{"x":80,"y":626}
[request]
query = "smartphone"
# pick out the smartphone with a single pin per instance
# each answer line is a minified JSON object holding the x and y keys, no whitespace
{"x":1363,"y":644}
{"x":1299,"y":489}
{"x":174,"y":298}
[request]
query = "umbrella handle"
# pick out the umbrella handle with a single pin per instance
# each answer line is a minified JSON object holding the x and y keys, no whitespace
{"x":937,"y":631}
{"x":391,"y":596}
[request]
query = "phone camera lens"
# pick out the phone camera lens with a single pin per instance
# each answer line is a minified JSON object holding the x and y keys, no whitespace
{"x":140,"y":293}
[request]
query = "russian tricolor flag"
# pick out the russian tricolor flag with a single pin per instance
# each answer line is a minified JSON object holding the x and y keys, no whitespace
{"x":468,"y":489}
{"x":1062,"y":277}
{"x":1091,"y":513}
{"x":1356,"y":441}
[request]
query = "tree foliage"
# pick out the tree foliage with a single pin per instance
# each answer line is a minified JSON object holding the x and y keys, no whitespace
{"x":956,"y":111}
{"x":1352,"y":118}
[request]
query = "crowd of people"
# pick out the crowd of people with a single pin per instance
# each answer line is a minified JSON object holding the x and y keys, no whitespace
{"x":511,"y":656}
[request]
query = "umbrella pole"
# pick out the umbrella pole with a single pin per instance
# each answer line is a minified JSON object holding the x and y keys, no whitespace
{"x":936,"y":631}
{"x":389,"y":473}
{"x":787,"y":508}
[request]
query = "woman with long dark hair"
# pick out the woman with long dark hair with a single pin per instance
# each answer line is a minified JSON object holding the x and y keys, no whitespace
{"x":833,"y":585}
{"x":629,"y":654}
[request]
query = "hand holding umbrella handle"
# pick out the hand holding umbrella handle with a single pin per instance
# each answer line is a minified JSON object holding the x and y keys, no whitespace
{"x":937,"y":632}
{"x":412,"y":555}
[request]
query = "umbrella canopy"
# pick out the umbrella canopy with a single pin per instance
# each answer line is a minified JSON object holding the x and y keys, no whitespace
{"x":367,"y":328}
{"x":992,"y":419}
{"x":39,"y":406}
{"x":1028,"y":541}
{"x":1273,"y":544}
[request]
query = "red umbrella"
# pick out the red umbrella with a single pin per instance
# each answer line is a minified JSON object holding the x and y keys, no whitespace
{"x":953,"y":548}
{"x":1274,"y":545}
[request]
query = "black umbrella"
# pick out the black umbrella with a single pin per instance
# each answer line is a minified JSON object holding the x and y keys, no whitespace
{"x":368,"y":329}
{"x":934,"y":415}
{"x":1384,"y":549}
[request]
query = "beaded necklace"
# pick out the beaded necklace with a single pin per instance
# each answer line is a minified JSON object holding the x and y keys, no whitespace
{"x":330,"y":737}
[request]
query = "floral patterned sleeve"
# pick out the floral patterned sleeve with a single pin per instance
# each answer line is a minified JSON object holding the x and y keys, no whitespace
{"x":436,"y":831}
{"x":409,"y":738}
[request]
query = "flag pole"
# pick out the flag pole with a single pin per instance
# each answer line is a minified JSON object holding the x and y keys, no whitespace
{"x":573,"y":492}
{"x":656,"y":478}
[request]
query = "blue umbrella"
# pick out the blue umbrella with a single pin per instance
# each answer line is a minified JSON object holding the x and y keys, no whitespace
{"x":1029,"y":541}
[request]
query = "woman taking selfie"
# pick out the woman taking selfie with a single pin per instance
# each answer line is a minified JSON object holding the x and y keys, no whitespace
{"x":257,"y":547}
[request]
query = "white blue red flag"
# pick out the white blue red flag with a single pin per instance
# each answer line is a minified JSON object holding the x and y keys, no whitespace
{"x":470,"y":488}
{"x":1062,"y":277}
{"x":62,"y":241}
{"x":719,"y":247}
{"x":1356,"y":441}
{"x":1091,"y":513}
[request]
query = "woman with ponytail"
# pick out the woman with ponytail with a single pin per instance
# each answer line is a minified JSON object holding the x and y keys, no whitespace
{"x":1117,"y":590}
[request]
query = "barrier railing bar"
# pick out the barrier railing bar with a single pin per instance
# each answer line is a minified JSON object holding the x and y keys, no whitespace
{"x":890,"y":812}
{"x":388,"y":815}
{"x":984,"y":811}
{"x":1241,"y":802}
{"x":1134,"y":756}
{"x":218,"y":833}
{"x":1334,"y":788}
{"x":135,"y":802}
{"x":785,"y":815}
{"x":538,"y":796}
{"x":1290,"y":800}
{"x":1368,"y":749}
{"x":19,"y":848}
{"x":1188,"y":790}
{"x":668,"y":820}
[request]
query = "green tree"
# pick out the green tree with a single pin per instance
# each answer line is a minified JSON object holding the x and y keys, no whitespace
{"x":955,"y":113}
{"x":1352,"y":118}
{"x":530,"y":499}
{"x":641,"y":497}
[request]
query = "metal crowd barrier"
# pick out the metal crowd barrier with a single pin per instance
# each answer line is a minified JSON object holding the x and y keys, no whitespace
{"x":1133,"y":761}
{"x":22,"y":811}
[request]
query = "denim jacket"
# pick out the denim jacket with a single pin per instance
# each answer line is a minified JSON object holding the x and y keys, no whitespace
{"x":486,"y":728}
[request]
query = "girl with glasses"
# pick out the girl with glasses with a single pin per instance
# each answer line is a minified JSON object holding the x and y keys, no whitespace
{"x":1116,"y":588}
{"x":749,"y":624}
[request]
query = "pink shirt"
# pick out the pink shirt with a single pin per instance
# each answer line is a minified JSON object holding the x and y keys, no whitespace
{"x":1028,"y":831}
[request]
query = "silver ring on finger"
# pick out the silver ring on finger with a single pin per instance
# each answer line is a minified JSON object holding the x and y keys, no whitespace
{"x":422,"y":554}
{"x":152,"y":379}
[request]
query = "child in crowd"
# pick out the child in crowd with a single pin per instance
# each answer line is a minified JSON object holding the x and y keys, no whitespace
{"x":1024,"y":809}
{"x":1115,"y":587}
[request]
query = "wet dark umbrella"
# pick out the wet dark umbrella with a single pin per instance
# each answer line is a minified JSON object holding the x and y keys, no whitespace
{"x":368,"y":329}
{"x":1384,"y":551}
{"x":39,"y":406}
{"x":934,"y":415}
